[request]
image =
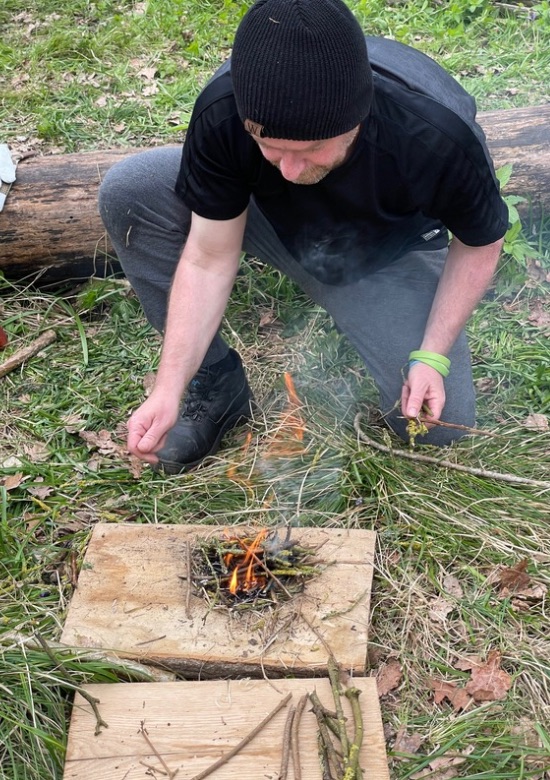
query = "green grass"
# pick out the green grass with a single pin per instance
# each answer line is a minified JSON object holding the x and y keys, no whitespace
{"x":103,"y":74}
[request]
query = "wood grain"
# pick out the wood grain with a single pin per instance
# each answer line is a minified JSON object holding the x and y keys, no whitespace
{"x":191,"y":724}
{"x":132,"y":593}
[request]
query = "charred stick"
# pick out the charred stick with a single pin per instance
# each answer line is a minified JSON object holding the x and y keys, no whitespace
{"x":329,"y":749}
{"x":249,"y":737}
{"x":295,"y":738}
{"x":287,"y":742}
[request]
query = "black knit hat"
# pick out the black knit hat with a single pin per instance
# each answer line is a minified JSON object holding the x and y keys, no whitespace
{"x":300,"y":70}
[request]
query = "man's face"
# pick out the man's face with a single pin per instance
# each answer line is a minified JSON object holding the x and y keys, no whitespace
{"x":307,"y":162}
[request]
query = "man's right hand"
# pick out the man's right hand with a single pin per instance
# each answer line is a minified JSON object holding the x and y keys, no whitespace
{"x":149,"y":424}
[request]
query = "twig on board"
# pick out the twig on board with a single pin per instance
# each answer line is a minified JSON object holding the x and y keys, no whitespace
{"x":189,"y":581}
{"x":287,"y":742}
{"x":295,"y":737}
{"x":170,"y":772}
{"x":330,"y":756}
{"x":18,"y":358}
{"x":249,"y":737}
{"x":352,"y":768}
{"x":447,"y":464}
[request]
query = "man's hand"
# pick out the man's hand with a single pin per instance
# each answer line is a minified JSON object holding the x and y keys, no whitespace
{"x":423,"y":388}
{"x":149,"y":424}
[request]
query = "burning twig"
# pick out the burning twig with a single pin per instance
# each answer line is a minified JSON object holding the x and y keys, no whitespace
{"x":249,"y":737}
{"x":240,"y":572}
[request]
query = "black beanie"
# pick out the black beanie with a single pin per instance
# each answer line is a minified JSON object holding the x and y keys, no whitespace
{"x":300,"y":70}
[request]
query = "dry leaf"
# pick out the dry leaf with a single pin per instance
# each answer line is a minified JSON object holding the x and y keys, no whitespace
{"x":407,"y":743}
{"x":40,"y":492}
{"x":536,"y":422}
{"x":12,"y":481}
{"x":73,"y":423}
{"x":442,"y":689}
{"x":388,"y":677}
{"x":37,"y":452}
{"x":489,"y":682}
{"x":439,"y":609}
{"x":513,"y":578}
{"x":452,"y":586}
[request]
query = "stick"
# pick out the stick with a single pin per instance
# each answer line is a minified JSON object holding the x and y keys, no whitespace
{"x":295,"y":738}
{"x":170,"y":772}
{"x":92,"y":701}
{"x":19,"y":357}
{"x":447,"y":463}
{"x":353,"y":769}
{"x":189,"y":582}
{"x":334,"y":675}
{"x":429,"y":421}
{"x":328,"y":748}
{"x":249,"y":737}
{"x":287,"y":742}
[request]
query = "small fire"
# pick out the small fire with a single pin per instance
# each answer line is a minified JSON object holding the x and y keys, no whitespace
{"x":246,"y":573}
{"x":288,"y":440}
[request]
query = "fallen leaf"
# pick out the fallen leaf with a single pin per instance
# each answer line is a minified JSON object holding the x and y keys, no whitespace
{"x":407,"y":743}
{"x":40,"y":492}
{"x":388,"y":677}
{"x":512,"y":578}
{"x":452,"y":586}
{"x":443,"y":689}
{"x":489,"y":682}
{"x":439,"y":609}
{"x":536,"y":422}
{"x":73,"y":422}
{"x":12,"y":481}
{"x":37,"y":452}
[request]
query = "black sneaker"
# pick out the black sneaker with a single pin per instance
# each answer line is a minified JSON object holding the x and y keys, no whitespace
{"x":218,"y":399}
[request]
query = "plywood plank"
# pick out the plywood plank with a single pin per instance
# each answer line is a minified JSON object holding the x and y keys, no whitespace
{"x":193,"y":723}
{"x":132,"y":592}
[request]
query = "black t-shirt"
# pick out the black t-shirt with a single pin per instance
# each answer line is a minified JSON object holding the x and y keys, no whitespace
{"x":419,"y":165}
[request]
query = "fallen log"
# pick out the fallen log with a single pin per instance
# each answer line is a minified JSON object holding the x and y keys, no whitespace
{"x":50,"y":218}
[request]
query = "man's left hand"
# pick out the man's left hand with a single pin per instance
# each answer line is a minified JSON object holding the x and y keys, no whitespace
{"x":423,"y":389}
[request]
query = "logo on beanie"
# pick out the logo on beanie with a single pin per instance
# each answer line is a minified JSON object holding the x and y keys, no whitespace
{"x":254,"y":128}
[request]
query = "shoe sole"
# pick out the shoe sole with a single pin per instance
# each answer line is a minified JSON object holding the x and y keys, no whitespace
{"x":238,"y":418}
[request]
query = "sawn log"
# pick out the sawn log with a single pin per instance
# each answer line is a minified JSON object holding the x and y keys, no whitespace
{"x":50,"y":219}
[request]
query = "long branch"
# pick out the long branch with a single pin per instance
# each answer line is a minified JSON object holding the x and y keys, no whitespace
{"x":447,"y":464}
{"x":249,"y":737}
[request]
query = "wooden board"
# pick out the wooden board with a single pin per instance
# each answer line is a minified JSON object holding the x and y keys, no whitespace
{"x":193,"y":723}
{"x":132,"y":593}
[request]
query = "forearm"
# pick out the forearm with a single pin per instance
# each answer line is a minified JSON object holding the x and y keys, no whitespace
{"x":467,"y":274}
{"x":198,"y":299}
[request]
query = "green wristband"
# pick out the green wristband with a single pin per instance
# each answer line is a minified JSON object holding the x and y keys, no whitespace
{"x":440,"y":363}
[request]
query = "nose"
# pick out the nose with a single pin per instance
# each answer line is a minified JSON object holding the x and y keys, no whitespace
{"x":292,"y":166}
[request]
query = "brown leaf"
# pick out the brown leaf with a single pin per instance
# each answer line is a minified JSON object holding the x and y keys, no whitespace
{"x":388,"y":677}
{"x":443,"y":689}
{"x":489,"y":682}
{"x":512,"y":578}
{"x":536,"y":422}
{"x":439,"y":609}
{"x":12,"y":481}
{"x":452,"y":586}
{"x":407,"y":743}
{"x":40,"y":492}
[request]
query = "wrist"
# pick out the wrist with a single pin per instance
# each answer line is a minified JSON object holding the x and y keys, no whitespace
{"x":439,"y":363}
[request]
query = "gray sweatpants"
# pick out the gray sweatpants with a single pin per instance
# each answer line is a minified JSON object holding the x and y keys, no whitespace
{"x":383,"y":315}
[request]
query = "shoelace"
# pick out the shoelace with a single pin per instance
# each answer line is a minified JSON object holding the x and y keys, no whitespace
{"x":197,"y":393}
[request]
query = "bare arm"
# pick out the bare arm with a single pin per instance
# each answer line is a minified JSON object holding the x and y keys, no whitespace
{"x":467,"y":273}
{"x":200,"y":290}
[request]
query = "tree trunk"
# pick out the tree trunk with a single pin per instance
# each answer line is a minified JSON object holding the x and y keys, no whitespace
{"x":50,"y":219}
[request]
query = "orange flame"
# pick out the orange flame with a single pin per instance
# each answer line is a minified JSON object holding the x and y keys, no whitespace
{"x":244,"y":576}
{"x":288,"y":439}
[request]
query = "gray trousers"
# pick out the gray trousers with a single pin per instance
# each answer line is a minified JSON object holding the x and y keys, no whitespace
{"x":383,"y":315}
